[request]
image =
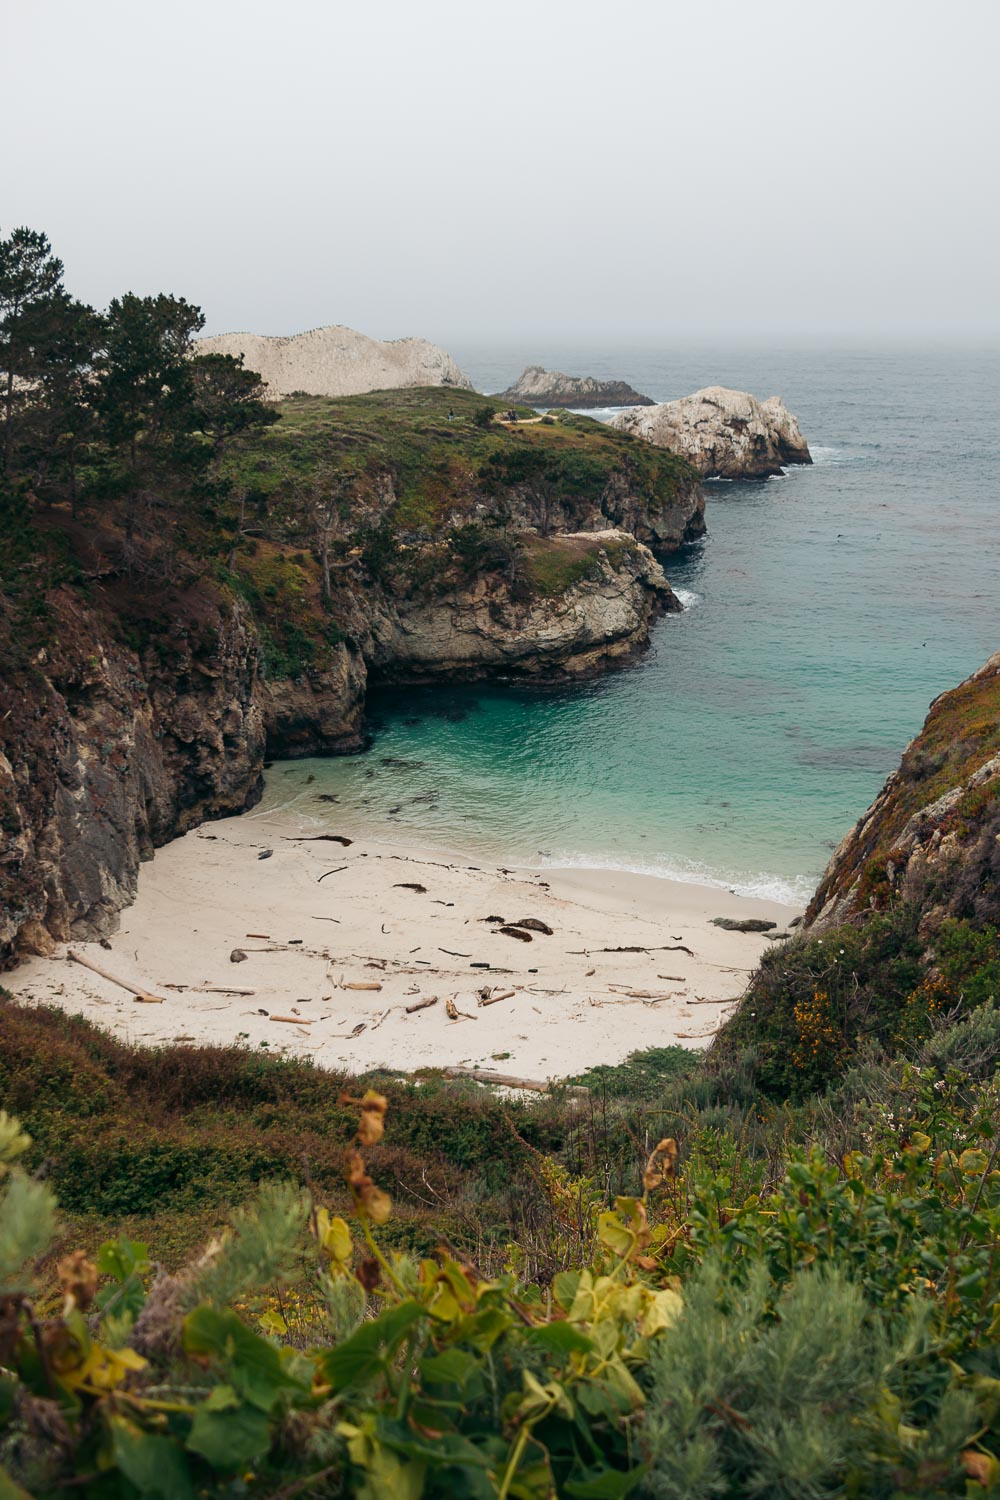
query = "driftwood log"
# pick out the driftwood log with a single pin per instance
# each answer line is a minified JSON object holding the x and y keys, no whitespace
{"x":143,"y":996}
{"x":508,"y":1081}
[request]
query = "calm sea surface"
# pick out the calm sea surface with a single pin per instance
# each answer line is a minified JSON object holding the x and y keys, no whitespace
{"x":825,"y":610}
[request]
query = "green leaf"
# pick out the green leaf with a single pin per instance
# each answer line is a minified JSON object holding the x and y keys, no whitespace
{"x":610,"y":1484}
{"x":122,"y":1257}
{"x":154,"y":1465}
{"x":560,"y":1338}
{"x":222,"y":1398}
{"x":564,"y":1286}
{"x":253,"y":1365}
{"x":482,"y":1329}
{"x":441,"y":1452}
{"x":452,"y":1367}
{"x":229,"y":1438}
{"x":533,"y":1481}
{"x":612,"y":1232}
{"x":367,"y":1351}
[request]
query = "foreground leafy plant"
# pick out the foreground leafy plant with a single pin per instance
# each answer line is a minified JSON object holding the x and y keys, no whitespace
{"x":835,"y":1337}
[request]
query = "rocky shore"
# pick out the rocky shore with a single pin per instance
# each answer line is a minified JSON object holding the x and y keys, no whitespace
{"x":724,"y":434}
{"x":146,"y":706}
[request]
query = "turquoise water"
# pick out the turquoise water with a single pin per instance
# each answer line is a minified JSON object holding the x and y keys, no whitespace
{"x":825,"y":610}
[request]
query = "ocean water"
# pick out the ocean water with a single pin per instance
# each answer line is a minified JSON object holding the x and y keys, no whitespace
{"x":824,"y":610}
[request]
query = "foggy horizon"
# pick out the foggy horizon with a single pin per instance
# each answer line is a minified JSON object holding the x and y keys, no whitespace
{"x":526,"y":176}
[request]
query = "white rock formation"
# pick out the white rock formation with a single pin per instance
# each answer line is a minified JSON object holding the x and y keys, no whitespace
{"x":724,"y":434}
{"x":337,"y":361}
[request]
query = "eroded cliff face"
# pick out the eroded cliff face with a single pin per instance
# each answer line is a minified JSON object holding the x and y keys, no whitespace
{"x":932,"y":836}
{"x":724,"y":434}
{"x":663,"y":525}
{"x":493,"y":628}
{"x":108,"y":749}
{"x":149,"y":711}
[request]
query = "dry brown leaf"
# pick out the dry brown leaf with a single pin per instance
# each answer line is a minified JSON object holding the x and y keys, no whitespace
{"x":660,"y":1165}
{"x":78,"y":1279}
{"x":372,"y":1124}
{"x":980,"y":1467}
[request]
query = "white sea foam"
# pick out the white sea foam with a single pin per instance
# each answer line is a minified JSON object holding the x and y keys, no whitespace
{"x":765,"y":886}
{"x":688,"y":597}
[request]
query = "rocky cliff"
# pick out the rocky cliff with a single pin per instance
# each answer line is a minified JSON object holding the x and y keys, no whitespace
{"x":600,"y":592}
{"x":141,"y":694}
{"x":337,"y":361}
{"x":932,"y":836}
{"x":551,"y":388}
{"x":724,"y":434}
{"x":108,"y":748}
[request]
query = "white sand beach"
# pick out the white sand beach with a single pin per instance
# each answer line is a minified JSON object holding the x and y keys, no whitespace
{"x":343,"y":941}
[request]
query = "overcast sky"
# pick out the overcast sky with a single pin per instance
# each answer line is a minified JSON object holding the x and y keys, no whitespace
{"x":585,"y":171}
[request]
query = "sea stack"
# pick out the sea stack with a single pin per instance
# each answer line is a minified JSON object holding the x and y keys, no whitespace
{"x":724,"y":434}
{"x":537,"y":387}
{"x":337,"y":361}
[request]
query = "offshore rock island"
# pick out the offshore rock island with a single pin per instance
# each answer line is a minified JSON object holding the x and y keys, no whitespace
{"x":536,"y":386}
{"x":724,"y":434}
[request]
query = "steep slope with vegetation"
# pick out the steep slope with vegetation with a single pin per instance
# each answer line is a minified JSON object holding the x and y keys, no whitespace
{"x":932,"y":837}
{"x":902,"y":938}
{"x":191,"y":579}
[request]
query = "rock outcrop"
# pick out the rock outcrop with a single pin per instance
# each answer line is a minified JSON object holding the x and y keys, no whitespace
{"x":544,"y":388}
{"x":932,"y":836}
{"x":110,"y":749}
{"x":724,"y":434}
{"x":337,"y":361}
{"x":599,"y":620}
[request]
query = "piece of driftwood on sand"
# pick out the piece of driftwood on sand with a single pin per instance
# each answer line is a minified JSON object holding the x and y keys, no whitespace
{"x":145,"y":997}
{"x":508,"y":1081}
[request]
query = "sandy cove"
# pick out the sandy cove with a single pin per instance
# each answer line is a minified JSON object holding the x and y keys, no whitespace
{"x":341,"y":941}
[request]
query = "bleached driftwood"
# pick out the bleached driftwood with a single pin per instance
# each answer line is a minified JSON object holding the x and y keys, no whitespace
{"x":143,"y":996}
{"x":508,"y":1081}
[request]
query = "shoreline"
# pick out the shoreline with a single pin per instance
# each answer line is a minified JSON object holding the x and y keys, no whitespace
{"x":340,"y":942}
{"x":344,"y":815}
